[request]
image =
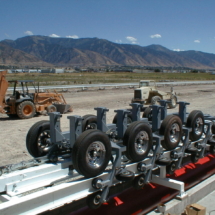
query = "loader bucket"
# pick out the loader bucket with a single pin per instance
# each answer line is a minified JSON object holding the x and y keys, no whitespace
{"x":63,"y":108}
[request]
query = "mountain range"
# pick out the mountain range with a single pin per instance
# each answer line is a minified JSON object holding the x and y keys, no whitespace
{"x":47,"y":51}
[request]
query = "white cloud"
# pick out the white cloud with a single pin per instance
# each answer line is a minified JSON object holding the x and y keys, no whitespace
{"x":196,"y":41}
{"x":156,"y":36}
{"x":73,"y":36}
{"x":178,"y":50}
{"x":29,"y":33}
{"x":132,"y":39}
{"x":118,"y":41}
{"x":54,"y":35}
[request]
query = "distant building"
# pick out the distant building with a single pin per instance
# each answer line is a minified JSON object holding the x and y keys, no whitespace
{"x":52,"y":71}
{"x":34,"y":70}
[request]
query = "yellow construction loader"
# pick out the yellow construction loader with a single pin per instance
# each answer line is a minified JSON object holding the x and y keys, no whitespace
{"x":26,"y":104}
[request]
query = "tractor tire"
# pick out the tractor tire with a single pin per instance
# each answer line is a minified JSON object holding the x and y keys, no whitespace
{"x":89,"y":122}
{"x":171,"y":128}
{"x":147,"y":113}
{"x":138,"y":140}
{"x":91,"y":153}
{"x":155,"y":100}
{"x":26,"y":110}
{"x":129,"y":119}
{"x":173,"y":101}
{"x":51,"y":108}
{"x":195,"y":121}
{"x":37,"y":139}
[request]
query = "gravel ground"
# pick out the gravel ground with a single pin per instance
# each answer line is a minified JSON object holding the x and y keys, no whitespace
{"x":13,"y":131}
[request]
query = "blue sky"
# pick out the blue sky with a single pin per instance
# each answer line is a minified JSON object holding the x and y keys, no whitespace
{"x":174,"y":24}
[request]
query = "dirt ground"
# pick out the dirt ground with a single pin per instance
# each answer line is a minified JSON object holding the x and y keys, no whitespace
{"x":13,"y":132}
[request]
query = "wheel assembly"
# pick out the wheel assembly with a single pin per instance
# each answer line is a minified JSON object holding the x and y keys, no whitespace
{"x":212,"y":132}
{"x":195,"y":121}
{"x":138,"y":140}
{"x":25,"y":110}
{"x":89,"y":122}
{"x":147,"y":113}
{"x":129,"y":119}
{"x":38,"y":139}
{"x":155,"y":100}
{"x":94,"y":200}
{"x":173,"y":101}
{"x":125,"y":176}
{"x":91,"y":153}
{"x":170,"y":169}
{"x":138,"y":182}
{"x":51,"y":108}
{"x":171,"y":128}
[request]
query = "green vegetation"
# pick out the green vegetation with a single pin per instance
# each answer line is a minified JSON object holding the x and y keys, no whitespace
{"x":108,"y":77}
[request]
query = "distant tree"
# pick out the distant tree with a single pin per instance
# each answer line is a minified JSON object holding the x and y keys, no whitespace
{"x":194,"y":71}
{"x":157,"y":70}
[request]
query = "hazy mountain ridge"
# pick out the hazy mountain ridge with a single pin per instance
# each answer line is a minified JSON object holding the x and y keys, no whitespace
{"x":97,"y":52}
{"x":11,"y":56}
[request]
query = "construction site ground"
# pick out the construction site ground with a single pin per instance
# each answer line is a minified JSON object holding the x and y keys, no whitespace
{"x":13,"y":131}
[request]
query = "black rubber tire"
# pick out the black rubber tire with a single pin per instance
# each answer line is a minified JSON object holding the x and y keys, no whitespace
{"x":155,"y":100}
{"x":125,"y":176}
{"x":170,"y":169}
{"x":25,"y":110}
{"x":148,"y":113}
{"x":173,"y":100}
{"x":129,"y":118}
{"x":192,"y":123}
{"x":130,"y":137}
{"x":170,"y":141}
{"x":79,"y":153}
{"x":138,"y":182}
{"x":93,"y":201}
{"x":212,"y":149}
{"x":89,"y":122}
{"x":51,"y":108}
{"x":195,"y":157}
{"x":34,"y":135}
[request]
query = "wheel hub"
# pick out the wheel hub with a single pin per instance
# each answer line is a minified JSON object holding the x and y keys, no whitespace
{"x":27,"y":110}
{"x":44,"y":142}
{"x":95,"y":155}
{"x":141,"y":142}
{"x":198,"y":126}
{"x":174,"y":132}
{"x":91,"y":126}
{"x":97,"y":199}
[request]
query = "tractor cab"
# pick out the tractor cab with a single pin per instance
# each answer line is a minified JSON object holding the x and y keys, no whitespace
{"x":147,"y":83}
{"x":23,"y":91}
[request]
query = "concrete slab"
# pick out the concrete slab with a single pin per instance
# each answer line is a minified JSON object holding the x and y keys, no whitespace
{"x":203,"y":194}
{"x":208,"y":202}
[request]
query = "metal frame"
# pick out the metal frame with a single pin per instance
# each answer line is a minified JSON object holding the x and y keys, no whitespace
{"x":56,"y":184}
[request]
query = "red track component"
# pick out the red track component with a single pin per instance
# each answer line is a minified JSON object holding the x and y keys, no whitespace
{"x":133,"y":202}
